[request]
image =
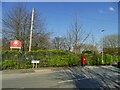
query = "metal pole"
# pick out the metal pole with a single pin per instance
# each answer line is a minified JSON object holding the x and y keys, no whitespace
{"x":102,"y":44}
{"x":33,"y":65}
{"x":31,"y":29}
{"x":36,"y":65}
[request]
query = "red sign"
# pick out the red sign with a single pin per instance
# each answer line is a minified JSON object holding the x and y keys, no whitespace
{"x":15,"y":44}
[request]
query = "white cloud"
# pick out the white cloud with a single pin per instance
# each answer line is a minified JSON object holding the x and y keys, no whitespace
{"x":111,"y":9}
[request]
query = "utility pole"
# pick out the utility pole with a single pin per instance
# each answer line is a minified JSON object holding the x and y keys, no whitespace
{"x":93,"y":42}
{"x":31,"y":29}
{"x":102,"y":44}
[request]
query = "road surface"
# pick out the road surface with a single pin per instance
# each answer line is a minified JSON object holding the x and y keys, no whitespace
{"x":74,"y":77}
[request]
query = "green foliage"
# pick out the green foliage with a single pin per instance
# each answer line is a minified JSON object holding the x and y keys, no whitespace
{"x":11,"y":55}
{"x":54,"y":58}
{"x":73,"y":60}
{"x":87,"y":51}
{"x":64,"y":60}
{"x":107,"y":59}
{"x":96,"y":59}
{"x":119,"y":58}
{"x":112,"y":51}
{"x":115,"y":58}
{"x":8,"y":64}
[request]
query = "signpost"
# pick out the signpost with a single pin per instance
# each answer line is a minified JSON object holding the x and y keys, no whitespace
{"x":35,"y":62}
{"x":15,"y":44}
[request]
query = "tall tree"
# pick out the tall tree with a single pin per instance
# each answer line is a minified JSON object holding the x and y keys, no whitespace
{"x":16,"y":25}
{"x":110,"y":41}
{"x":111,"y":44}
{"x":5,"y":44}
{"x":59,"y":43}
{"x":69,"y":40}
{"x":77,"y":36}
{"x":42,"y":41}
{"x":93,"y":42}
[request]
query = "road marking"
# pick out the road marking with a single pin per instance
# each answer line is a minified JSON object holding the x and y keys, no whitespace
{"x":73,"y":80}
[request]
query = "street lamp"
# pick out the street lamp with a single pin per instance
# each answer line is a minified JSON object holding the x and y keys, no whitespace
{"x":102,"y":44}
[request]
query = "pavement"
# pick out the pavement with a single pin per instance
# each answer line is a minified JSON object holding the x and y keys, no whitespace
{"x":95,"y":77}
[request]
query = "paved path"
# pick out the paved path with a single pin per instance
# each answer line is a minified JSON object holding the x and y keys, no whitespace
{"x":75,"y":77}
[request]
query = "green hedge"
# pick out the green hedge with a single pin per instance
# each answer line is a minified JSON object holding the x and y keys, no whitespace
{"x":54,"y":58}
{"x":92,"y":58}
{"x":96,"y":59}
{"x":107,"y":59}
{"x":12,"y":55}
{"x":8,"y":64}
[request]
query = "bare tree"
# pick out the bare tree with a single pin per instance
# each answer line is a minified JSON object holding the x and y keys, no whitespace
{"x":110,"y":41}
{"x":42,"y":41}
{"x":94,"y":44}
{"x":77,"y":36}
{"x":69,"y":40}
{"x":111,"y":44}
{"x":89,"y":47}
{"x":5,"y":44}
{"x":59,"y":43}
{"x":16,"y":25}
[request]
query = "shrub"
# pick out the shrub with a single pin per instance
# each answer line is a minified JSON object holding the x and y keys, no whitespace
{"x":119,"y":58}
{"x":52,"y":62}
{"x":73,"y":60}
{"x":12,"y":55}
{"x":92,"y":58}
{"x":55,"y":58}
{"x":107,"y":59}
{"x":87,"y":51}
{"x":97,"y":60}
{"x":115,"y":58}
{"x":8,"y":64}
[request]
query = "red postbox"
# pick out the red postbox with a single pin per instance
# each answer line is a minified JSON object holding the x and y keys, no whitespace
{"x":83,"y":60}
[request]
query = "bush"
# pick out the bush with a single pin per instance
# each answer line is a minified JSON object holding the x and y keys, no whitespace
{"x":97,"y":60}
{"x":55,"y":58}
{"x":73,"y":60}
{"x":92,"y":58}
{"x":107,"y":59}
{"x":8,"y":64}
{"x":52,"y":62}
{"x":12,"y":55}
{"x":65,"y":60}
{"x":87,"y":51}
{"x":115,"y":58}
{"x":0,"y":65}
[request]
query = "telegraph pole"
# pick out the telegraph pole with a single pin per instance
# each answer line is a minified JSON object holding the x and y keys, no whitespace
{"x":32,"y":19}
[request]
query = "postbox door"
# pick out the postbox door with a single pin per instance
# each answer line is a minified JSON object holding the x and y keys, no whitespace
{"x":83,"y":59}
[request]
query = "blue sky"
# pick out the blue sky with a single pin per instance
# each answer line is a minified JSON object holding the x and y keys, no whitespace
{"x":92,"y":16}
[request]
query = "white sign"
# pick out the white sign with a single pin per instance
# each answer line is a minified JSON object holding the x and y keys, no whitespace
{"x":35,"y":61}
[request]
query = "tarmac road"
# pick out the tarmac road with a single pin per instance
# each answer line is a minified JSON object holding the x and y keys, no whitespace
{"x":74,"y":77}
